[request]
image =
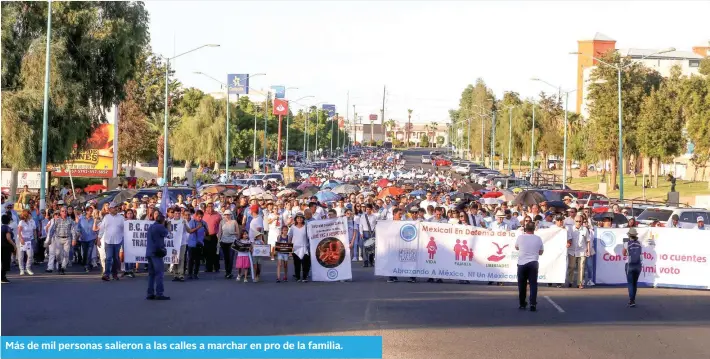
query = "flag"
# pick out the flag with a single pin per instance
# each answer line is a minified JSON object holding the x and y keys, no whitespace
{"x":164,"y":201}
{"x":280,"y":107}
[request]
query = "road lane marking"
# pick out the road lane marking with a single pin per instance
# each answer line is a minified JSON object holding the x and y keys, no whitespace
{"x":559,"y":309}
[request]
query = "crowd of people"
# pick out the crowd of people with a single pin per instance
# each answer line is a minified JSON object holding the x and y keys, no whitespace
{"x":219,"y":227}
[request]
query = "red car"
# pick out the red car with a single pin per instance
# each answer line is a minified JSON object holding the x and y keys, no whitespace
{"x":442,"y":162}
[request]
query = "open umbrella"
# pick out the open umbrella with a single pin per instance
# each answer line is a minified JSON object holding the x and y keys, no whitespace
{"x":338,"y":174}
{"x":414,"y":203}
{"x":327,"y":196}
{"x":390,"y":191}
{"x":355,"y":181}
{"x":308,"y":192}
{"x":305,"y":185}
{"x":616,"y":218}
{"x":286,"y":192}
{"x":330,"y":184}
{"x":528,"y":198}
{"x":213,"y":189}
{"x":230,"y":192}
{"x":556,"y":204}
{"x":471,"y":187}
{"x":252,"y":191}
{"x":491,"y":200}
{"x":495,"y":194}
{"x":265,"y":196}
{"x":125,"y":195}
{"x":419,"y":192}
{"x":293,"y":185}
{"x":94,"y":188}
{"x":463,"y":196}
{"x":346,"y":189}
{"x":507,"y":195}
{"x":383,"y":183}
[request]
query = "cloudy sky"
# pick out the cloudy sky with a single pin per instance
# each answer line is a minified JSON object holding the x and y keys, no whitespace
{"x":426,"y":52}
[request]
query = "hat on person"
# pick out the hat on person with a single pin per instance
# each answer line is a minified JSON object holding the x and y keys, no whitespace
{"x":113,"y":205}
{"x":700,"y":219}
{"x":254,"y":208}
{"x":227,"y":213}
{"x":258,"y":233}
{"x":60,"y":202}
{"x":632,"y":232}
{"x":500,"y":214}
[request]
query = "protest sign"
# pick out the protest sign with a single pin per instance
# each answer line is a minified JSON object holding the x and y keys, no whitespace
{"x":135,"y":239}
{"x":330,"y":250}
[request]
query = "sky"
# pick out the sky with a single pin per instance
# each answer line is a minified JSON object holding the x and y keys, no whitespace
{"x":425,"y":52}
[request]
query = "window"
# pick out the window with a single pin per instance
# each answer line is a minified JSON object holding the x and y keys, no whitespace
{"x":688,"y":217}
{"x":693,"y":63}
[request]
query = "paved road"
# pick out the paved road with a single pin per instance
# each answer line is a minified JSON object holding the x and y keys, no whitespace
{"x":420,"y":320}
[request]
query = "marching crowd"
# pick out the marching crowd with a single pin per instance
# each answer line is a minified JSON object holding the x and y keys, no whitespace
{"x":219,"y":227}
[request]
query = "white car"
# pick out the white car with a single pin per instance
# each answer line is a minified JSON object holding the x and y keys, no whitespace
{"x":462,"y":168}
{"x":426,"y":159}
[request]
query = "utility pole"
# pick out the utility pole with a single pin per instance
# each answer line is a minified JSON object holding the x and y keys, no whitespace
{"x":45,"y":121}
{"x":355,"y":125}
{"x":347,"y":120}
{"x":382,"y":120}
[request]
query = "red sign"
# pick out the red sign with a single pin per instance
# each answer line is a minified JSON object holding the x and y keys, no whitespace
{"x":280,"y":107}
{"x":373,"y":117}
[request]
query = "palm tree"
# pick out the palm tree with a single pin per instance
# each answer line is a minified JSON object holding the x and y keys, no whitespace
{"x":390,"y":125}
{"x":409,"y":124}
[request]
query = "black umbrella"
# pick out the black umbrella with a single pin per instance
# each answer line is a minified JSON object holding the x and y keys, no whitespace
{"x":616,"y":218}
{"x":472,"y":187}
{"x":463,"y":196}
{"x":413,"y":204}
{"x":355,"y":182}
{"x":308,"y":192}
{"x":529,"y":198}
{"x":125,"y":195}
{"x":293,"y":185}
{"x":557,"y":204}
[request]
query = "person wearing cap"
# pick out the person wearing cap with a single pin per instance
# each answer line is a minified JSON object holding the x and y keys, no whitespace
{"x":530,"y":248}
{"x":228,"y":233}
{"x":701,"y":224}
{"x":63,"y":231}
{"x":578,"y":248}
{"x":500,"y":224}
{"x":87,"y":237}
{"x":155,"y":251}
{"x":674,"y":222}
{"x":112,"y":228}
{"x":633,"y":251}
{"x":255,"y":223}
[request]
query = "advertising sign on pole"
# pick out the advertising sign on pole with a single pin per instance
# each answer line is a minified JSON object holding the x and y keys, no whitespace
{"x":96,"y":160}
{"x":280,"y":107}
{"x":373,"y":117}
{"x":279,"y":91}
{"x":238,"y":84}
{"x":330,"y":109}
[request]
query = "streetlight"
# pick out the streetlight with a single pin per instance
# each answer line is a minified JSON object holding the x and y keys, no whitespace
{"x":226,"y":146}
{"x":510,"y":137}
{"x":165,"y":129}
{"x":317,"y":114}
{"x":288,"y":116}
{"x":564,"y":150}
{"x":484,"y":113}
{"x":619,"y":68}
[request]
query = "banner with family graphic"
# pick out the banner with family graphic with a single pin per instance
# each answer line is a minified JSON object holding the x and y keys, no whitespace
{"x":446,"y":251}
{"x":671,"y":257}
{"x":330,"y":250}
{"x":135,"y":241}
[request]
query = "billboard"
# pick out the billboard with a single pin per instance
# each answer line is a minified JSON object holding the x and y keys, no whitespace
{"x":373,"y":117}
{"x":31,"y":179}
{"x":96,"y":160}
{"x":330,"y":109}
{"x":280,"y":107}
{"x":238,"y":84}
{"x":279,"y":91}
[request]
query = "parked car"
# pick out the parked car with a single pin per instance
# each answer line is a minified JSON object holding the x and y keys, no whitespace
{"x":426,"y":158}
{"x":268,"y":176}
{"x":442,"y":162}
{"x":687,"y":217}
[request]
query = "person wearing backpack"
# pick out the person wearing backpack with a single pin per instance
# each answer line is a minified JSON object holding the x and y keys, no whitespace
{"x":633,"y":251}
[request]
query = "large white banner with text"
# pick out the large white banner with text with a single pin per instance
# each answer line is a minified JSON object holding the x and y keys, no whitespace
{"x":330,"y":250}
{"x":671,"y":257}
{"x":440,"y":250}
{"x":135,"y":239}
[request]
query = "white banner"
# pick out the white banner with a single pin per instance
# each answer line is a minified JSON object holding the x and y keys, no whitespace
{"x":330,"y":250}
{"x":135,"y":239}
{"x":671,"y":257}
{"x":29,"y":178}
{"x":440,"y":250}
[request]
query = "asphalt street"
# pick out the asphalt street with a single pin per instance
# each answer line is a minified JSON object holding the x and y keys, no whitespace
{"x":416,"y":320}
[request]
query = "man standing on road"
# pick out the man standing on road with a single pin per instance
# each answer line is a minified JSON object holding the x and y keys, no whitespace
{"x":578,"y":248}
{"x":633,"y":251}
{"x":87,"y":237}
{"x":368,"y":222}
{"x":211,"y":253}
{"x":112,"y":228}
{"x":63,"y":231}
{"x":530,"y":249}
{"x":155,"y":251}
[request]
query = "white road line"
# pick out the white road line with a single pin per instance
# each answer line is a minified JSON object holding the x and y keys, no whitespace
{"x":559,"y":309}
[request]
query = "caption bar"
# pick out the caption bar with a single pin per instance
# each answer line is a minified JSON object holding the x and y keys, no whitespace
{"x":191,"y":347}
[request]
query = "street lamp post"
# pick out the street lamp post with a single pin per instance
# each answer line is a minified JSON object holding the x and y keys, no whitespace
{"x":619,"y":68}
{"x":165,"y":129}
{"x":510,"y":138}
{"x":45,"y":119}
{"x":226,"y":146}
{"x":316,"y":129}
{"x":288,"y":116}
{"x":532,"y":143}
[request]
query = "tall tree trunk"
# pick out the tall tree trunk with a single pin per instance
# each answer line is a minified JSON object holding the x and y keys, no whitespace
{"x":13,"y":183}
{"x":569,"y":169}
{"x":613,"y":173}
{"x":160,"y":156}
{"x":657,"y":172}
{"x":188,"y":165}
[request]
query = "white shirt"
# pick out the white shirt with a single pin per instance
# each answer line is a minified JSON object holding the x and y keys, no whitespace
{"x":426,"y":203}
{"x":299,"y":238}
{"x":529,"y":247}
{"x":363,"y":222}
{"x":705,"y":228}
{"x":112,"y":228}
{"x":499,"y":226}
{"x":569,"y":223}
{"x":579,"y":238}
{"x":256,"y":223}
{"x":27,"y":229}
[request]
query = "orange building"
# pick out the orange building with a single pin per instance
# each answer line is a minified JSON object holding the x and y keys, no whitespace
{"x":596,"y":47}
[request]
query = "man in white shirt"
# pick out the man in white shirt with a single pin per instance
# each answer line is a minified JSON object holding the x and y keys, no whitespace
{"x":673,"y":223}
{"x":500,"y":224}
{"x":112,"y":228}
{"x":530,"y":248}
{"x":428,"y":201}
{"x":578,"y":246}
{"x":571,"y":215}
{"x":368,"y":221}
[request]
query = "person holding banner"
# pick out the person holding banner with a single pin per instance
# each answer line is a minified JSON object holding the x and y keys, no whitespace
{"x":530,"y":248}
{"x":298,"y":235}
{"x":155,"y":251}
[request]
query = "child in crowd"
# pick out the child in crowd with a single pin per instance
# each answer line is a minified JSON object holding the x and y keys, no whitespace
{"x":243,"y":262}
{"x":258,"y":240}
{"x":282,"y":257}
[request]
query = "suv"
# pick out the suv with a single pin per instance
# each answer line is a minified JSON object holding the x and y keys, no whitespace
{"x":426,"y":158}
{"x":687,"y":217}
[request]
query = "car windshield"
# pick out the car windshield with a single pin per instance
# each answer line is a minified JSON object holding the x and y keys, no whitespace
{"x":661,"y":214}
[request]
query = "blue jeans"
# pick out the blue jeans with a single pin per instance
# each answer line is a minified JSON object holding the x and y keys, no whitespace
{"x":86,"y":248}
{"x":357,"y":247}
{"x":112,"y":259}
{"x":588,"y":270}
{"x":632,"y":278}
{"x":156,"y":269}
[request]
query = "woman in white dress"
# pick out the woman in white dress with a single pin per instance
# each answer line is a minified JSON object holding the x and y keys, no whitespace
{"x":273,"y":222}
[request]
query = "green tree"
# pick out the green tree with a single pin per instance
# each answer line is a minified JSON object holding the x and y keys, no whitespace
{"x":696,"y":112}
{"x":136,"y":138}
{"x":424,"y":141}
